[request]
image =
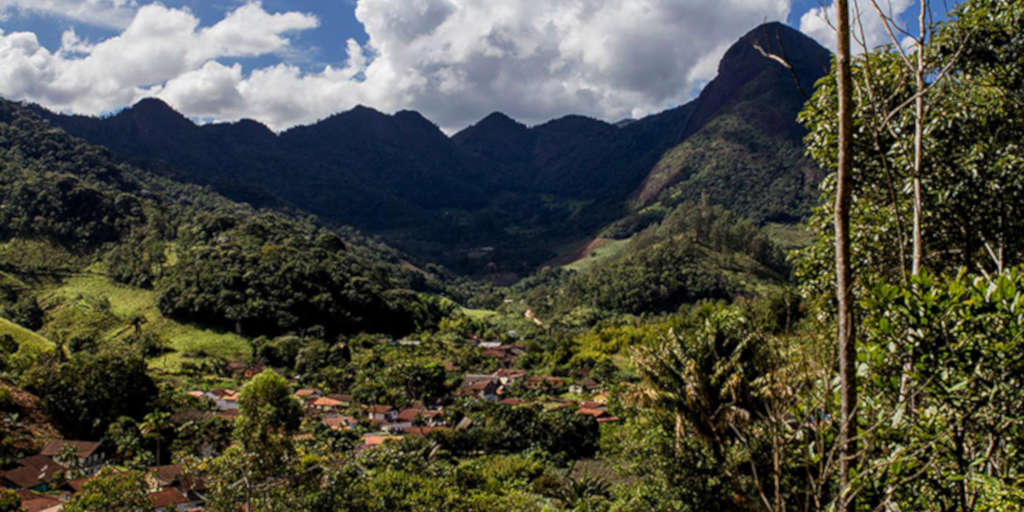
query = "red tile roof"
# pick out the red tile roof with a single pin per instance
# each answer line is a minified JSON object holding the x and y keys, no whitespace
{"x":165,"y":475}
{"x":410,"y":414}
{"x":33,"y":472}
{"x":39,"y":503}
{"x":79,"y":483}
{"x":167,"y":498}
{"x":82,"y":448}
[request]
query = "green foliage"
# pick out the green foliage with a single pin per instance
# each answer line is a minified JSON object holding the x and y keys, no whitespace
{"x":91,"y":390}
{"x":696,"y":252}
{"x":971,"y":155}
{"x":705,"y":376}
{"x":504,"y":429}
{"x":114,"y":491}
{"x":952,"y":347}
{"x":9,"y":501}
{"x":268,"y":413}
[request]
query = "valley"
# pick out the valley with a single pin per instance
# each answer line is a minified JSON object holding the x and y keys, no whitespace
{"x":368,"y":313}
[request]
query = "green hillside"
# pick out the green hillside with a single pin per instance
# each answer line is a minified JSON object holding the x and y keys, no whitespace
{"x":93,"y":251}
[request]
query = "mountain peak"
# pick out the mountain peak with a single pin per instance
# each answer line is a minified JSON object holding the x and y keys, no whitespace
{"x":779,"y":39}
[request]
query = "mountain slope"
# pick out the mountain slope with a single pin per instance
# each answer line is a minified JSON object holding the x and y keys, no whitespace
{"x":524,"y":194}
{"x":744,"y":149}
{"x":96,"y":242}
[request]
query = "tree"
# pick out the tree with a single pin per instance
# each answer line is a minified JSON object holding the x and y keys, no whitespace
{"x":703,"y":378}
{"x":9,"y":501}
{"x":261,"y":470}
{"x":90,"y":391}
{"x":113,"y":492}
{"x":153,"y":426}
{"x":844,"y":298}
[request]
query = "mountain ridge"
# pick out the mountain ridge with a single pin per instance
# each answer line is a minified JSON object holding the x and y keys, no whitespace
{"x":496,"y":183}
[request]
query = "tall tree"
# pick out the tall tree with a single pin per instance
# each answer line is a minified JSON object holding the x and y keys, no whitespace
{"x":846,"y":336}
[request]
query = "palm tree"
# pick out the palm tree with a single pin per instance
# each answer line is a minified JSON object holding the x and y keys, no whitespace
{"x":703,"y":378}
{"x":152,"y":427}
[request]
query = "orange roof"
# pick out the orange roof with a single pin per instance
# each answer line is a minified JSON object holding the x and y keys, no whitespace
{"x":326,"y":402}
{"x":597,"y":413}
{"x":339,"y":422}
{"x":378,"y":439}
{"x":305,"y":392}
{"x":381,"y":409}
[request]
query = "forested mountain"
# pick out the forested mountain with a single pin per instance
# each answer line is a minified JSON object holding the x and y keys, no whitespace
{"x":518,"y":191}
{"x":67,"y":208}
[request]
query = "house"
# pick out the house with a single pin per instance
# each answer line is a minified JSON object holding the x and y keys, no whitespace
{"x":382,"y":413}
{"x":377,"y":439}
{"x":346,"y":400}
{"x":87,"y":454}
{"x":600,"y":415}
{"x":340,"y":422}
{"x":37,"y":503}
{"x":235,"y":368}
{"x":78,"y":484}
{"x":224,"y":399}
{"x":35,"y":472}
{"x":305,"y":394}
{"x":161,"y":477}
{"x":488,"y":390}
{"x":170,"y":499}
{"x":511,"y":401}
{"x":432,"y":417}
{"x":508,"y":375}
{"x":325,"y":404}
{"x":253,"y":371}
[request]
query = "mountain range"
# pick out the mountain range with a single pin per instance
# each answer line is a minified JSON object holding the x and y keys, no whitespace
{"x":500,"y":198}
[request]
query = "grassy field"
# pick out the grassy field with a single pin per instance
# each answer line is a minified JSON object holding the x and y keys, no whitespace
{"x":24,"y":337}
{"x":605,"y":250}
{"x":89,"y":292}
{"x":789,"y":236}
{"x":478,"y":314}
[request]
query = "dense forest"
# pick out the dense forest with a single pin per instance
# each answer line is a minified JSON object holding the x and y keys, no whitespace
{"x":685,"y":357}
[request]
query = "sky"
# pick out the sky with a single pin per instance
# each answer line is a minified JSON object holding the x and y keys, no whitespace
{"x":287,"y":63}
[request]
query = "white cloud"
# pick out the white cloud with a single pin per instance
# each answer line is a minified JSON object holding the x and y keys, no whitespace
{"x":161,"y":48}
{"x":453,"y":60}
{"x":104,"y":13}
{"x":869,"y":30}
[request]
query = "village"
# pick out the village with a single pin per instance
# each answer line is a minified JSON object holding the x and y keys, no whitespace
{"x":47,"y":480}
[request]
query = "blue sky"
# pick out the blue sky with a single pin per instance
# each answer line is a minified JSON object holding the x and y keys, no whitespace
{"x":293,"y":62}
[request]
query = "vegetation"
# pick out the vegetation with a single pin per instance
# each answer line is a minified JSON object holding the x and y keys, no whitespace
{"x":689,"y":366}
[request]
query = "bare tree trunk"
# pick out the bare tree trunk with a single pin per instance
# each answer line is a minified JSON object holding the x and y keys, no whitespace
{"x":919,"y":143}
{"x":847,"y":347}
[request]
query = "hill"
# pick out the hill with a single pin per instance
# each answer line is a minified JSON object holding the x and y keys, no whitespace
{"x":500,"y":198}
{"x":90,"y":249}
